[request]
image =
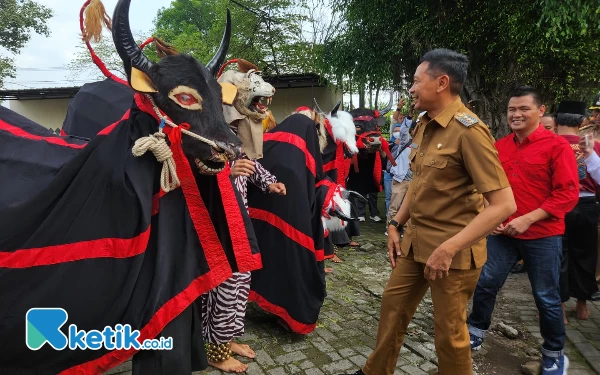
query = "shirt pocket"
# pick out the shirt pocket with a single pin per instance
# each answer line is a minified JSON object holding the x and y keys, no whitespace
{"x":435,"y":171}
{"x":535,"y":167}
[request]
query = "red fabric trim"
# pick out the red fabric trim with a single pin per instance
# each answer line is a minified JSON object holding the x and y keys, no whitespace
{"x":102,"y":248}
{"x":329,"y":166}
{"x":289,"y":231}
{"x":342,"y":164}
{"x":294,"y":140}
{"x":295,"y":325}
{"x":355,"y":162}
{"x":110,"y":128}
{"x":304,"y":108}
{"x":376,"y":113}
{"x":377,"y":171}
{"x":386,"y":148}
{"x":363,"y":118}
{"x":213,"y":250}
{"x":156,"y":201}
{"x":169,"y":311}
{"x":244,"y":258}
{"x":62,"y":133}
{"x":14,"y":130}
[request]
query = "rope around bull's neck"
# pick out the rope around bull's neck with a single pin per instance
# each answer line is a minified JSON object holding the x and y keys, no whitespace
{"x":157,"y":144}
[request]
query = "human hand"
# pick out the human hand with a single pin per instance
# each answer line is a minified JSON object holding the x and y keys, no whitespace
{"x":586,"y":145}
{"x":498,"y":230}
{"x":401,"y":103}
{"x":517,"y":226}
{"x":394,"y":248}
{"x":438,"y":264}
{"x":278,"y":188}
{"x":242,"y":167}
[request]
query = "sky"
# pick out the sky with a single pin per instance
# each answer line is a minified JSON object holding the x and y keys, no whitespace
{"x":42,"y":62}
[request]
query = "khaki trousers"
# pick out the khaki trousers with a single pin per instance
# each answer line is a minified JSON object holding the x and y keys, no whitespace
{"x":399,"y":190}
{"x":402,"y":295}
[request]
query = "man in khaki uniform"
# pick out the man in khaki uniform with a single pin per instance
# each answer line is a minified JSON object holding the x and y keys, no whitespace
{"x":455,"y":166}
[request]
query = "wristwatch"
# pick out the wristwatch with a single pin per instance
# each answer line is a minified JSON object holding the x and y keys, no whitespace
{"x":394,"y":223}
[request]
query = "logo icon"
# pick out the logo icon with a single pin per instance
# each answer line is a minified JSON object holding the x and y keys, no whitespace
{"x":42,"y":325}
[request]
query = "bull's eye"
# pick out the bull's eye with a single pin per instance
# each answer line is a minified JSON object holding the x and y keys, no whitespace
{"x":186,"y":97}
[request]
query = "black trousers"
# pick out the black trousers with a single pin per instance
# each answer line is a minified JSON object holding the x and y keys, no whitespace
{"x":361,"y":207}
{"x":580,"y":251}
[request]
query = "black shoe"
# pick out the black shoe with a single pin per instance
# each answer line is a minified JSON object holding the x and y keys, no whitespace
{"x":359,"y":372}
{"x":518,"y":268}
{"x":596,"y":296}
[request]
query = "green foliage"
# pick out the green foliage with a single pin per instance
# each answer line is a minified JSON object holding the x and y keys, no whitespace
{"x":266,"y":33}
{"x":508,"y":43}
{"x":17,"y":20}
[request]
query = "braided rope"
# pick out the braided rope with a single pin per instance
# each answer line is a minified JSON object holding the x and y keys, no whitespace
{"x":157,"y":144}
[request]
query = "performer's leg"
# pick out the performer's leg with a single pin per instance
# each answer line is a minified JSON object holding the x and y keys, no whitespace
{"x":399,"y":190}
{"x":582,"y":242}
{"x":242,"y":291}
{"x":373,"y":209}
{"x":402,"y":295}
{"x":387,"y":187}
{"x":219,"y":319}
{"x":450,"y":296}
{"x":187,"y":354}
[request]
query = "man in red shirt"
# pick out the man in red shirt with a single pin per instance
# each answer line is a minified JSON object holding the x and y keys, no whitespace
{"x":542,"y":172}
{"x":580,"y":242}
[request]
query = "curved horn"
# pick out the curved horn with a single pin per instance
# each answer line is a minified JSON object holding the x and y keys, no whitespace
{"x":215,"y":64}
{"x":346,"y":194}
{"x":389,"y":106}
{"x":342,"y":216}
{"x":335,"y":109}
{"x":128,"y":50}
{"x":318,"y":108}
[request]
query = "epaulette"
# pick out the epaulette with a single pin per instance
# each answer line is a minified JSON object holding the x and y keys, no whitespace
{"x":465,"y":119}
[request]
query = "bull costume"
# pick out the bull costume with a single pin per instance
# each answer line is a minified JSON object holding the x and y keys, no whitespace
{"x":126,"y":229}
{"x":224,"y":307}
{"x":366,"y":172}
{"x":291,"y":229}
{"x":337,"y":144}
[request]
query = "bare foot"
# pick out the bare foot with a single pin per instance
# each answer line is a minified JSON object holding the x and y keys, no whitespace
{"x":582,"y":310}
{"x":354,"y":244}
{"x":328,"y":270}
{"x":230,"y":365}
{"x":336,"y":259}
{"x":243,"y":350}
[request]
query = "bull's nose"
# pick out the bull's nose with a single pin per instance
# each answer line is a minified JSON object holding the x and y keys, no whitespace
{"x":230,"y":149}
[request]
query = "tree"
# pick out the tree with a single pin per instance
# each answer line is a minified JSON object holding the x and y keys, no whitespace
{"x":508,"y":43}
{"x":265,"y":33}
{"x":17,"y":20}
{"x":82,"y":63}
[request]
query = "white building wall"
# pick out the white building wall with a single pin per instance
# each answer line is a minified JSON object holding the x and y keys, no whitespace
{"x":49,"y":113}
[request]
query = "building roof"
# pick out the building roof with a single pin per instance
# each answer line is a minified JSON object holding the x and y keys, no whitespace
{"x":283,"y":81}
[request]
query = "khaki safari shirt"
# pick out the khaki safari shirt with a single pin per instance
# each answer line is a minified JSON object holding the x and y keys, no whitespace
{"x":454,"y":161}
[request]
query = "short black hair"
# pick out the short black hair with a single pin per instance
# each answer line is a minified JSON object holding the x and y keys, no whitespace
{"x":571,"y":120}
{"x":452,"y":63}
{"x":527,"y":91}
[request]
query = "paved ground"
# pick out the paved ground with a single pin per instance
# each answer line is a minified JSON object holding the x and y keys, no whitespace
{"x":346,"y":331}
